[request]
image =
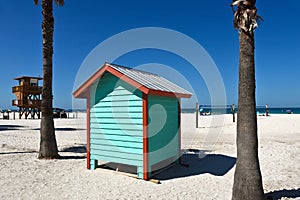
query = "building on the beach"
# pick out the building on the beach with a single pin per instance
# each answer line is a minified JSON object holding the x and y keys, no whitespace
{"x":133,"y":117}
{"x":28,"y":94}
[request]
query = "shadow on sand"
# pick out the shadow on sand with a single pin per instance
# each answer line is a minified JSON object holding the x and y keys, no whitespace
{"x":10,"y":127}
{"x":294,"y":193}
{"x":17,"y":152}
{"x":71,"y":157}
{"x":215,"y":164}
{"x":63,"y":129}
{"x":75,"y":149}
{"x":68,"y":129}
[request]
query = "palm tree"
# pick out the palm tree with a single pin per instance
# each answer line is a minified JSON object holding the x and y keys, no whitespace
{"x":247,"y":176}
{"x":48,"y":145}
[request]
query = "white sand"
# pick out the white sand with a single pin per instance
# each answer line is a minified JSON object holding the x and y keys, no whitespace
{"x":23,"y":176}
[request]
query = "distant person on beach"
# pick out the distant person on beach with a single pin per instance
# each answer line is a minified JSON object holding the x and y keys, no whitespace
{"x":232,"y":111}
{"x":267,"y":110}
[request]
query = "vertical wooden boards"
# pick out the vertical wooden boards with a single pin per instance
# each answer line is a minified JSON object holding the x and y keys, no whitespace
{"x":146,"y":167}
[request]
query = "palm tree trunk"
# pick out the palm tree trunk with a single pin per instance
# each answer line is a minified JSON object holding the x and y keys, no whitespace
{"x":48,"y":146}
{"x":247,"y":177}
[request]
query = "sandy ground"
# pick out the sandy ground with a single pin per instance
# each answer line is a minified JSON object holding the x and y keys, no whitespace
{"x":211,"y":158}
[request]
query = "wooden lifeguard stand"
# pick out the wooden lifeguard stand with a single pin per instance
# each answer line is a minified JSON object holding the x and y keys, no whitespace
{"x":28,"y":95}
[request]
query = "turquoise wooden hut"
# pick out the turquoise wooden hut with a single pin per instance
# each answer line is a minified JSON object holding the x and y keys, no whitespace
{"x":133,"y":117}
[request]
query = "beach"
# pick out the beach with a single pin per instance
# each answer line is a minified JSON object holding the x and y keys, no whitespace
{"x":210,"y":151}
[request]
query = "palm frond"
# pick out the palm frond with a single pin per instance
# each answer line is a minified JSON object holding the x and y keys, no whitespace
{"x":236,"y":2}
{"x":245,"y":15}
{"x":259,"y":18}
{"x":59,"y":2}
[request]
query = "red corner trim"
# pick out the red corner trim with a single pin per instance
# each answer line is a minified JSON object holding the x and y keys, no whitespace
{"x":145,"y":137}
{"x":88,"y":154}
{"x":179,"y":131}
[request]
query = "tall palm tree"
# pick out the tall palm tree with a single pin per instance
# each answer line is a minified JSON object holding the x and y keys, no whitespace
{"x":247,"y":176}
{"x":48,"y":145}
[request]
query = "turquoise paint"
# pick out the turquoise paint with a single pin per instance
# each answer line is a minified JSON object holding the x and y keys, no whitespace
{"x":116,"y":125}
{"x":122,"y":136}
{"x":117,"y":160}
{"x":116,"y":104}
{"x":94,"y":164}
{"x":140,"y":172}
{"x":115,"y":148}
{"x":116,"y":122}
{"x":135,"y":133}
{"x":109,"y":83}
{"x":118,"y":154}
{"x":162,"y":129}
{"x":128,"y":127}
{"x":120,"y":109}
{"x":116,"y":119}
{"x":117,"y":98}
{"x":117,"y":143}
{"x":120,"y":115}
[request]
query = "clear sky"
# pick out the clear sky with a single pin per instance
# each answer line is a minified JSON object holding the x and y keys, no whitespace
{"x":81,"y":25}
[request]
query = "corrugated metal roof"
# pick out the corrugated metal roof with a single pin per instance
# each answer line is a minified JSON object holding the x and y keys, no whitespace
{"x":150,"y":80}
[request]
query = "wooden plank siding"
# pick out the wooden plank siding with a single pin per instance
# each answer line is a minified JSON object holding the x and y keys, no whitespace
{"x":133,"y":118}
{"x":163,"y":129}
{"x":116,"y":123}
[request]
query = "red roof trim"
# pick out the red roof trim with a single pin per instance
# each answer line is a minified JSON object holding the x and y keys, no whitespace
{"x":128,"y":80}
{"x":168,"y":94}
{"x":81,"y":92}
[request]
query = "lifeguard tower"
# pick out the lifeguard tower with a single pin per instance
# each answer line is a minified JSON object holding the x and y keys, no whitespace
{"x":28,"y":95}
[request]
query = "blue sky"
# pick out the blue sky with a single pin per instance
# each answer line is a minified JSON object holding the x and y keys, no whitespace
{"x":80,"y":27}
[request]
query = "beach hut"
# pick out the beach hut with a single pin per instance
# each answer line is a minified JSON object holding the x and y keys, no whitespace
{"x":133,"y":118}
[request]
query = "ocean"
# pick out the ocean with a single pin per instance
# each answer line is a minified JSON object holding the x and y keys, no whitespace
{"x":227,"y":110}
{"x":218,"y":110}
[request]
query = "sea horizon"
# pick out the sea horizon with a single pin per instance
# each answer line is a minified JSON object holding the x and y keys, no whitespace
{"x":212,"y":110}
{"x":259,"y":110}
